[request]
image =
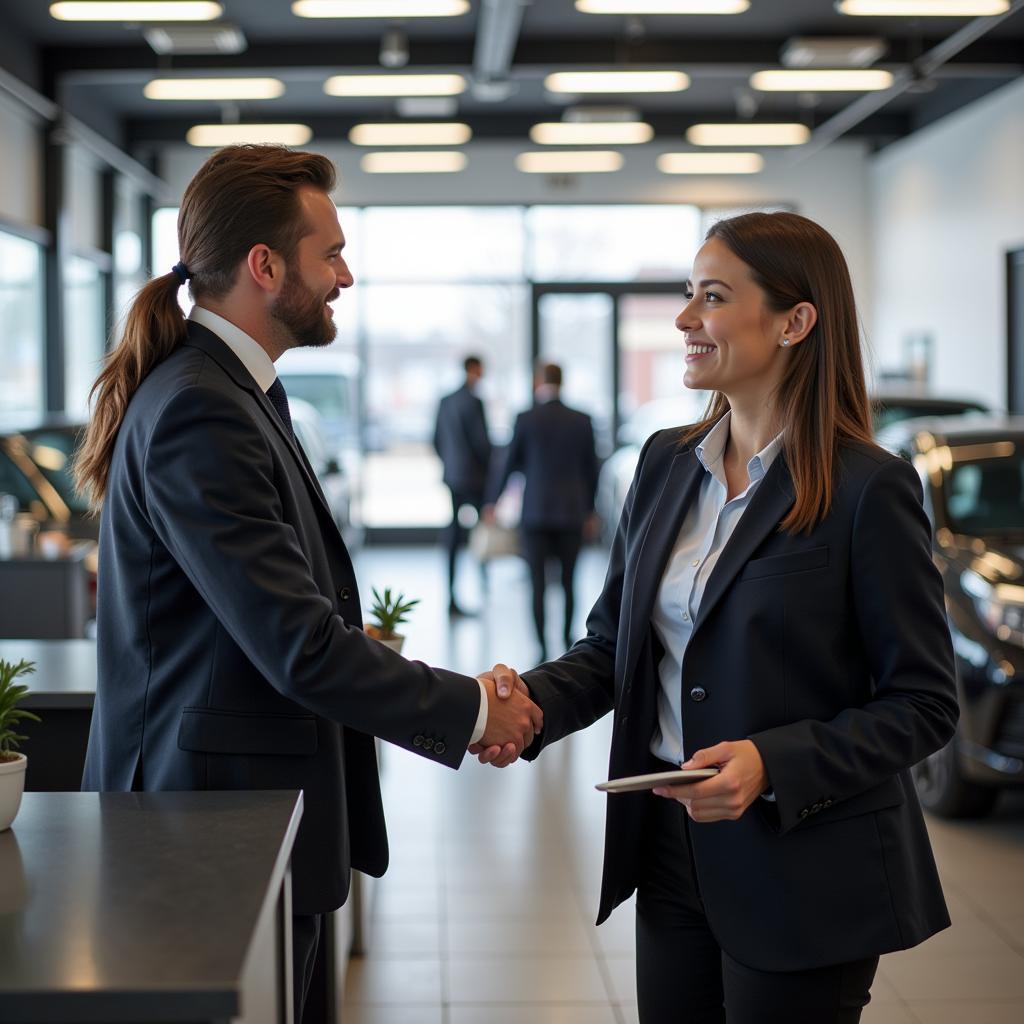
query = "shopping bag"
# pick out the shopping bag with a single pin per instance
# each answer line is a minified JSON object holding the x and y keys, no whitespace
{"x":488,"y":541}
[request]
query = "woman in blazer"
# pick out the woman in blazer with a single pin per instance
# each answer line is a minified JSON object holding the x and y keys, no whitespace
{"x":770,"y":607}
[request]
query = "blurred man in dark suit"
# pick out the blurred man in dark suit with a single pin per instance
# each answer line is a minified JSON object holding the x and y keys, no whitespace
{"x":553,"y":447}
{"x":461,"y":440}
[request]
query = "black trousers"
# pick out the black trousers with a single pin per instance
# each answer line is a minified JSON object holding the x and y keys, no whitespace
{"x":454,"y":533}
{"x":305,"y":936}
{"x":539,"y":545}
{"x":685,"y":977}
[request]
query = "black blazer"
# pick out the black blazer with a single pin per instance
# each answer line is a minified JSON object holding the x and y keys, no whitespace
{"x":829,"y":650}
{"x":553,"y":447}
{"x":229,"y":640}
{"x":461,"y":441}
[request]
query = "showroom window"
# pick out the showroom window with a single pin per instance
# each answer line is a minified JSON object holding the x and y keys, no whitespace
{"x":21,"y":312}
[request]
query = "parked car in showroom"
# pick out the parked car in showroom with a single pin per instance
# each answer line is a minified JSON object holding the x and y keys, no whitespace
{"x":888,"y":407}
{"x":972,"y":470}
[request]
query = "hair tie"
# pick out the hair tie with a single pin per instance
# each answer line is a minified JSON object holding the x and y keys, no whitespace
{"x":182,"y":271}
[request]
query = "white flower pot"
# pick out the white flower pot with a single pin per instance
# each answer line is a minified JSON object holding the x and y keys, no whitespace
{"x":395,"y":643}
{"x":12,"y":785}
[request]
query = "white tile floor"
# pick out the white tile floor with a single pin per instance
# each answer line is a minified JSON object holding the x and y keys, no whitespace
{"x":487,"y":911}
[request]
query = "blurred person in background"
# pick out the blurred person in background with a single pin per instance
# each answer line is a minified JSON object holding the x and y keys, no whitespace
{"x":553,"y":447}
{"x":464,"y":447}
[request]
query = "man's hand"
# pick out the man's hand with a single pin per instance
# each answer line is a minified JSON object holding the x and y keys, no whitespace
{"x":504,"y":682}
{"x":725,"y":796}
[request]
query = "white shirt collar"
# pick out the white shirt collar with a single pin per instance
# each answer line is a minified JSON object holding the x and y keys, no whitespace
{"x":711,"y":450}
{"x":250,"y":352}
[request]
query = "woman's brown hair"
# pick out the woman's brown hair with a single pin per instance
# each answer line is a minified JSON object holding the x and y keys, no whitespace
{"x":822,"y":398}
{"x":242,"y":196}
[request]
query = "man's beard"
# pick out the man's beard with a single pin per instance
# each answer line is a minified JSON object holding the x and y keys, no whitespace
{"x":303,"y":313}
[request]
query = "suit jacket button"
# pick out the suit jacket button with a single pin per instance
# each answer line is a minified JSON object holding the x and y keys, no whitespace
{"x":804,"y":812}
{"x":624,"y":719}
{"x":815,"y":807}
{"x":698,"y":693}
{"x":826,"y":803}
{"x":418,"y":741}
{"x":439,"y":747}
{"x":344,"y":593}
{"x":428,"y":744}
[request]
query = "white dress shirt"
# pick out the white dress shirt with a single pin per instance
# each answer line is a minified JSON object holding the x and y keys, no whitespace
{"x":253,"y":356}
{"x":706,"y":530}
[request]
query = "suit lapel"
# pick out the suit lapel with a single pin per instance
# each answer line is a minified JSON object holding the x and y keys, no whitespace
{"x":205,"y":339}
{"x":682,"y":484}
{"x":771,"y":501}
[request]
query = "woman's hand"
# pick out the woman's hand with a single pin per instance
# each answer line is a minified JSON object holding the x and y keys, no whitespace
{"x":725,"y":796}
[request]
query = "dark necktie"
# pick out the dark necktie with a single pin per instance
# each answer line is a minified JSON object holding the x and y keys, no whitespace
{"x":279,"y":400}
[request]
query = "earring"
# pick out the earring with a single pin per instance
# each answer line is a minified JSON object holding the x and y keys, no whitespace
{"x":785,"y":341}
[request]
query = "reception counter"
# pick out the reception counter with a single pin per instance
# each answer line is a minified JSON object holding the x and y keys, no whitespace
{"x":160,"y":907}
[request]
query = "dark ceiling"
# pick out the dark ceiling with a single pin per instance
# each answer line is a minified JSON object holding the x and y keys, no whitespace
{"x":104,"y":67}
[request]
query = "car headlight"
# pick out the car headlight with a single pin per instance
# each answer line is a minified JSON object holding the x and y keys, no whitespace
{"x":1000,"y":605}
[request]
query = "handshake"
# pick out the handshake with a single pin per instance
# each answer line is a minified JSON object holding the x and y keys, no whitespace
{"x":512,"y":718}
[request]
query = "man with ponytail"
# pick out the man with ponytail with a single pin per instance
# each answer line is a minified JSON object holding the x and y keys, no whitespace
{"x":231,"y":654}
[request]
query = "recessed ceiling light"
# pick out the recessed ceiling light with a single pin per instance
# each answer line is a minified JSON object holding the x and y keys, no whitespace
{"x":616,"y":81}
{"x":136,"y":10}
{"x":213,"y":89}
{"x":922,"y":8}
{"x":379,"y":8}
{"x":846,"y":80}
{"x":591,"y":133}
{"x":747,"y":134}
{"x":596,"y":161}
{"x":395,"y":85}
{"x":710,"y":163}
{"x":256,"y":134}
{"x":832,"y":51}
{"x":413,"y":163}
{"x":422,"y":134}
{"x":662,"y":6}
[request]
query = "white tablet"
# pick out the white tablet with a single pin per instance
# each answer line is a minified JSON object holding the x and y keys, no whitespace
{"x":636,"y":783}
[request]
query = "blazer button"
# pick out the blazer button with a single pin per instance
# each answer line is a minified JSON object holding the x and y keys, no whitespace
{"x":344,"y":593}
{"x":698,"y":693}
{"x":815,"y":807}
{"x":428,"y":744}
{"x":804,"y":812}
{"x":418,"y":741}
{"x":439,"y":747}
{"x":826,"y":803}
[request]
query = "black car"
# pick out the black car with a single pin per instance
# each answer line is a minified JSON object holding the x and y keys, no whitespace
{"x":972,"y":469}
{"x":889,"y":407}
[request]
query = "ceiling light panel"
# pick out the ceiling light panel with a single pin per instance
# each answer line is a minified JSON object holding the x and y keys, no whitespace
{"x":213,"y":89}
{"x":710,"y":163}
{"x":616,"y":81}
{"x":256,"y":134}
{"x":662,"y":6}
{"x":597,"y":161}
{"x":591,"y":133}
{"x":379,"y":8}
{"x":747,"y":134}
{"x":922,"y":8}
{"x":395,"y":85}
{"x":422,"y":134}
{"x":832,"y":51}
{"x":413,"y":163}
{"x":820,"y":80}
{"x":136,"y":10}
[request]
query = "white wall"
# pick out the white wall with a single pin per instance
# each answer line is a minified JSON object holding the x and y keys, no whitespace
{"x":946,"y":204}
{"x":830,"y":187}
{"x":21,"y":165}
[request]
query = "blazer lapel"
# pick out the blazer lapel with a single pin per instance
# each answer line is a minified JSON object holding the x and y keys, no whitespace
{"x":678,"y":493}
{"x":205,"y":339}
{"x":771,"y":501}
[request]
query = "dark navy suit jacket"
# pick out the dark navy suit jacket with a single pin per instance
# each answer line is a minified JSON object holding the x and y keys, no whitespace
{"x":230,"y":649}
{"x":830,"y":651}
{"x":553,"y":447}
{"x":461,"y":441}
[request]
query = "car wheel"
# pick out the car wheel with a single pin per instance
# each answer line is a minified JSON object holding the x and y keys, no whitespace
{"x":944,"y":790}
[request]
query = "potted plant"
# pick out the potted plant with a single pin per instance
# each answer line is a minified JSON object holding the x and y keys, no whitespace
{"x":386,"y":614}
{"x":12,"y":764}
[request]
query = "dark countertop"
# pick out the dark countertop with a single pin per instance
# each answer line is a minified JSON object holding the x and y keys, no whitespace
{"x":65,"y":675}
{"x":136,"y":906}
